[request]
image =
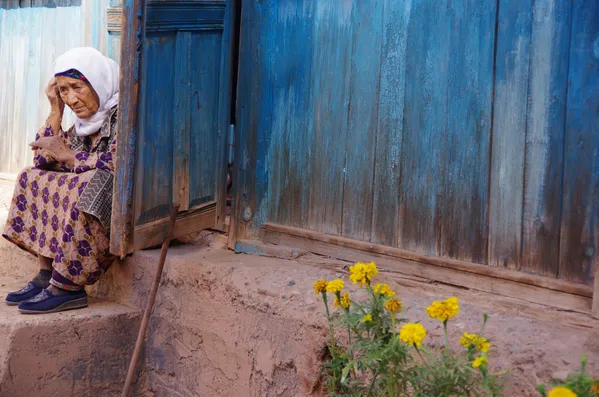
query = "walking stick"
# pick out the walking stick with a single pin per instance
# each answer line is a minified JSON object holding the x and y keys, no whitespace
{"x":150,"y":305}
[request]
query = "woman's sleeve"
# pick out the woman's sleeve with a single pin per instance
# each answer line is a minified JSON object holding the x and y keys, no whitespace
{"x":85,"y":161}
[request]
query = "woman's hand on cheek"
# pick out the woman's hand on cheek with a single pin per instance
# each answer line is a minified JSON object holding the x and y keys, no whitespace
{"x":53,"y":94}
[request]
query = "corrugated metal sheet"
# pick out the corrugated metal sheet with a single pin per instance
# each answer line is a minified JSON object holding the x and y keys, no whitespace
{"x":30,"y":40}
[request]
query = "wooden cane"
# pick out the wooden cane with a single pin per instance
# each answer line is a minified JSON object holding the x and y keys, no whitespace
{"x":150,"y":305}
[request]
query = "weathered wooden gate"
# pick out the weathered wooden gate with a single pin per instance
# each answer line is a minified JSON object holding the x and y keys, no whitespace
{"x":459,"y":133}
{"x":173,"y":120}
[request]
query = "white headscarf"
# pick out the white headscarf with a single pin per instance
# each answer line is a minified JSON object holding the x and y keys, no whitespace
{"x":103,"y":75}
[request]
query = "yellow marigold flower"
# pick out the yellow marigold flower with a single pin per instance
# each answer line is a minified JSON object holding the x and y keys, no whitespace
{"x":473,"y":340}
{"x":468,"y":340}
{"x":335,"y":286}
{"x":356,"y":274}
{"x":595,"y":387}
{"x":561,"y":392}
{"x":370,"y":270}
{"x":345,"y":302}
{"x":362,"y":273}
{"x":412,"y":334}
{"x":383,"y":290}
{"x":483,"y":345}
{"x":444,"y":310}
{"x":367,"y":318}
{"x":479,"y":361}
{"x":393,"y":305}
{"x":320,"y":286}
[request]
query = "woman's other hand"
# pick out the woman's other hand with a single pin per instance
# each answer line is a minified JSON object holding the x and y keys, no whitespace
{"x":56,"y":147}
{"x":53,"y":95}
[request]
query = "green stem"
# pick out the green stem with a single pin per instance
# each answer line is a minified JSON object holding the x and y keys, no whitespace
{"x":390,"y":390}
{"x":446,"y":334}
{"x":349,"y":335}
{"x":391,"y":384}
{"x":326,"y":305}
{"x":338,"y":294}
{"x":418,"y":351}
{"x":351,"y":352}
{"x":376,"y":373}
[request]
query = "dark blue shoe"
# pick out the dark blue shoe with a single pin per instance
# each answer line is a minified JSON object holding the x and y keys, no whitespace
{"x":45,"y":302}
{"x":25,"y":293}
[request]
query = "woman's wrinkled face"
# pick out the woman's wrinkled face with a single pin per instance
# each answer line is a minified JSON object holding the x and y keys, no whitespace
{"x":79,"y":96}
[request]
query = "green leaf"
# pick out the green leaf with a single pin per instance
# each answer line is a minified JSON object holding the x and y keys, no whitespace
{"x":346,"y":369}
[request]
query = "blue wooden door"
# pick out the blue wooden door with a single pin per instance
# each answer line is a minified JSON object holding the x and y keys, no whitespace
{"x":174,"y":113}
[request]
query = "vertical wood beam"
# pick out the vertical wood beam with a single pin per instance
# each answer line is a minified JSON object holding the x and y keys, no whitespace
{"x":131,"y":53}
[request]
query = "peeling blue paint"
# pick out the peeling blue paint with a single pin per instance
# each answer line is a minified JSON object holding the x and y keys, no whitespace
{"x":441,"y":127}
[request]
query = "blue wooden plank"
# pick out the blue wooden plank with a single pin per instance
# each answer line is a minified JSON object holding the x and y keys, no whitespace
{"x":445,"y":151}
{"x":331,"y":54}
{"x":466,"y":148}
{"x":182,"y":123}
{"x":204,"y":90}
{"x":250,"y":173}
{"x":509,"y":133}
{"x":363,"y":119}
{"x":580,"y":211}
{"x":387,"y":174}
{"x":467,"y":151}
{"x":424,"y":128}
{"x":290,"y":145}
{"x":154,"y":166}
{"x":260,"y":100}
{"x":546,"y":113}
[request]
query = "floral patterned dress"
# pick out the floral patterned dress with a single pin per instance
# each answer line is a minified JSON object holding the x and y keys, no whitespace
{"x":63,"y":213}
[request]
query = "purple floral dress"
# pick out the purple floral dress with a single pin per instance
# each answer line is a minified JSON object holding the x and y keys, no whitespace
{"x":46,"y":216}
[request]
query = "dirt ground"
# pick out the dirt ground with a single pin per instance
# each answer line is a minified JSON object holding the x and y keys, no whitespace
{"x":244,"y":325}
{"x":254,"y":322}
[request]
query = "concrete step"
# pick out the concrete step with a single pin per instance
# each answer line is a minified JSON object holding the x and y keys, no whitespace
{"x":77,"y":353}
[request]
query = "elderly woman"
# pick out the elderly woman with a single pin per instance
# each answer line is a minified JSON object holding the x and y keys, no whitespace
{"x":61,"y":206}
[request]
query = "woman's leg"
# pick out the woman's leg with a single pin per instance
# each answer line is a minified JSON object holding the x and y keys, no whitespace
{"x":35,"y":286}
{"x":45,"y":274}
{"x":45,"y":263}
